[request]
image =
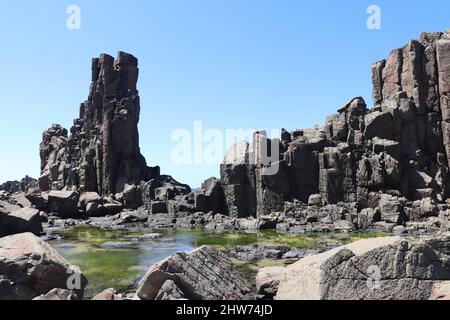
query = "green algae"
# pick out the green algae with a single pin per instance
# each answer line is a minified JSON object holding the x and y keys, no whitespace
{"x":123,"y":267}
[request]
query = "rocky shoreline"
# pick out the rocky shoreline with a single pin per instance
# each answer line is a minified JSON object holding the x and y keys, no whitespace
{"x":383,"y":170}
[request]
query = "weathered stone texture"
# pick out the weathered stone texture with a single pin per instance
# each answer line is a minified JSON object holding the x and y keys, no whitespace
{"x":102,"y":152}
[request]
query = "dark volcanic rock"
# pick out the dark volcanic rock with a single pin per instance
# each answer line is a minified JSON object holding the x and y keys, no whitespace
{"x":400,"y":147}
{"x":19,"y":221}
{"x":100,"y":159}
{"x":24,"y":185}
{"x":369,"y":168}
{"x":102,"y":152}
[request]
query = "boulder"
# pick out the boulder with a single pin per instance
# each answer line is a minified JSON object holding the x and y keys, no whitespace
{"x":373,"y":269}
{"x":112,"y":207}
{"x":267,"y":281}
{"x":38,"y":200}
{"x":367,"y":217}
{"x":203,"y":274}
{"x":20,"y":199}
{"x":315,"y":200}
{"x":19,"y":221}
{"x":391,"y":209}
{"x":133,"y":216}
{"x":131,"y":197}
{"x":107,"y":295}
{"x":7,"y":208}
{"x":389,"y":147}
{"x":65,"y":203}
{"x":58,"y":295}
{"x":29,"y":267}
{"x":88,"y":197}
{"x":95,"y":209}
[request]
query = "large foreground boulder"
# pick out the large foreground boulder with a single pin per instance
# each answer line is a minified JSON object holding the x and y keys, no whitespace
{"x":203,"y":274}
{"x":388,"y":268}
{"x":29,"y":267}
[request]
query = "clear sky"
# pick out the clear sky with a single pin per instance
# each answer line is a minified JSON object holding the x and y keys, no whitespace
{"x":229,"y":63}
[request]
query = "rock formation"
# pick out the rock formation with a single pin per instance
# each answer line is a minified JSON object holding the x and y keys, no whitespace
{"x":393,"y":158}
{"x":365,"y":168}
{"x":21,"y":220}
{"x":408,"y":270}
{"x":29,"y":267}
{"x":102,"y":155}
{"x":102,"y":152}
{"x":203,"y":274}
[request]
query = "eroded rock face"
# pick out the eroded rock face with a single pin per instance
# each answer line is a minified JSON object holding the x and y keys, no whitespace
{"x":97,"y":169}
{"x":102,"y":152}
{"x":203,"y":274}
{"x":29,"y":267}
{"x":373,"y":269}
{"x":399,"y":146}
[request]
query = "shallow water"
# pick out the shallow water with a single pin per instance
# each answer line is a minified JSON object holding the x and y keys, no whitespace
{"x":119,"y":259}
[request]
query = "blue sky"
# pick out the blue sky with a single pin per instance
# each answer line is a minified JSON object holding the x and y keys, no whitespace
{"x":229,"y":63}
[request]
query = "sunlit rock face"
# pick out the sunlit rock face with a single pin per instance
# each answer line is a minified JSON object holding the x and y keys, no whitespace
{"x":400,"y":147}
{"x":102,"y":152}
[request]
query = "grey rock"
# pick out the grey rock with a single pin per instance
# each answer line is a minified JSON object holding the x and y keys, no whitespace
{"x":30,"y":268}
{"x":267,"y":281}
{"x":88,"y":197}
{"x":108,"y":295}
{"x":58,"y":295}
{"x":19,"y":221}
{"x":408,"y":271}
{"x":203,"y":274}
{"x":170,"y":291}
{"x":64,"y":203}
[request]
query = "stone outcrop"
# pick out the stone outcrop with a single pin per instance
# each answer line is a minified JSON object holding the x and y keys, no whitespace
{"x":29,"y":267}
{"x":374,"y":168}
{"x":373,"y":269}
{"x":19,"y":221}
{"x":390,"y":158}
{"x":203,"y":274}
{"x":101,"y":152}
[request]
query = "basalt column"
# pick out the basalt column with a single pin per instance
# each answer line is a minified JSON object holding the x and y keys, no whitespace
{"x":102,"y":153}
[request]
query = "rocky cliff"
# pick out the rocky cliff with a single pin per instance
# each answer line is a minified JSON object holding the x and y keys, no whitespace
{"x":102,"y":152}
{"x":393,"y":157}
{"x":388,"y":163}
